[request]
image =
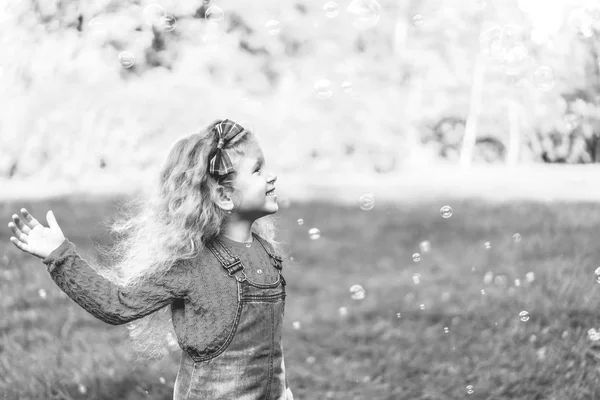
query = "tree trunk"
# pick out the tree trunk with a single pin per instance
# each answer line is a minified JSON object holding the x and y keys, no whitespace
{"x":468,"y":143}
{"x":514,"y":139}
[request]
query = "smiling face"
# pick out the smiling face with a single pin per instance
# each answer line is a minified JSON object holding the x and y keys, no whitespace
{"x":253,"y":180}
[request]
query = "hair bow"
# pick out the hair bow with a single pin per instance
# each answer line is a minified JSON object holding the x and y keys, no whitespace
{"x":228,"y":133}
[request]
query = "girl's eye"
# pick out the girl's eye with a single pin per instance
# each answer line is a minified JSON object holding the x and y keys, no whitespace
{"x":257,"y":170}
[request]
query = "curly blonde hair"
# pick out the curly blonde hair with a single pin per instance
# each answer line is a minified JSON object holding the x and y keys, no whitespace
{"x":174,"y":223}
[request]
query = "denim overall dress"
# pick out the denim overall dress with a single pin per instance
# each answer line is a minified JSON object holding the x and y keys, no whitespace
{"x":251,"y":366}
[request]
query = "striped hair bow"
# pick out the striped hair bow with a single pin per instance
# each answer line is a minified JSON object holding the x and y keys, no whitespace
{"x":228,"y":133}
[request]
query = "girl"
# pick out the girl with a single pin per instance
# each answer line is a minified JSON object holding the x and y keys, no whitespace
{"x":203,"y":245}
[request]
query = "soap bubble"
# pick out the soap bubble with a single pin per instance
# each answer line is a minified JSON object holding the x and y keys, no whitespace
{"x":416,"y":257}
{"x":470,"y":389}
{"x":418,"y":20}
{"x":416,"y":279}
{"x":365,"y":13}
{"x":153,"y":14}
{"x":296,"y":325}
{"x":425,"y":246}
{"x":357,"y":292}
{"x":214,"y":14}
{"x":524,"y":316}
{"x":314,"y":233}
{"x":597,"y":274}
{"x":367,"y":201}
{"x":517,"y":237}
{"x":126,"y":59}
{"x":273,"y":27}
{"x":331,"y":9}
{"x":300,"y":221}
{"x":543,"y":78}
{"x":323,"y":89}
{"x":168,"y":23}
{"x":446,"y":211}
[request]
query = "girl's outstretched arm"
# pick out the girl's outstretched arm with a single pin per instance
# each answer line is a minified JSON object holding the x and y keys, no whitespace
{"x":107,"y":301}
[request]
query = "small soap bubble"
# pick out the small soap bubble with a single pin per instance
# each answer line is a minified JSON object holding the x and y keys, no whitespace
{"x":416,"y":257}
{"x":416,"y":279}
{"x":483,"y":291}
{"x":346,"y":86}
{"x":310,"y":359}
{"x":331,"y":9}
{"x":343,"y":311}
{"x":126,"y":59}
{"x":168,"y":23}
{"x":357,"y":292}
{"x":398,"y":315}
{"x":516,"y":237}
{"x":594,"y":336}
{"x":367,"y":201}
{"x":565,"y":334}
{"x":300,"y":221}
{"x":153,"y":14}
{"x":524,"y":316}
{"x":470,"y":389}
{"x":97,"y":25}
{"x":446,"y":329}
{"x":530,"y":276}
{"x":487,"y":245}
{"x":364,"y":13}
{"x":422,"y":306}
{"x":162,"y":380}
{"x":488,"y":277}
{"x":597,"y":274}
{"x":296,"y":325}
{"x":517,"y":282}
{"x":516,"y":59}
{"x":42,"y":293}
{"x":543,"y":78}
{"x":323,"y":89}
{"x":214,"y":14}
{"x":425,"y":246}
{"x":273,"y":27}
{"x":446,"y":211}
{"x":82,"y":388}
{"x":418,"y":20}
{"x":314,"y":233}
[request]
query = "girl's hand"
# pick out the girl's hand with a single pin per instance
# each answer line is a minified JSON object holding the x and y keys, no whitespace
{"x":289,"y":395}
{"x":33,"y":237}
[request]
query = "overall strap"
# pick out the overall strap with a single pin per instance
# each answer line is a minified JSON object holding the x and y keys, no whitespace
{"x":231,"y":263}
{"x":276,"y":261}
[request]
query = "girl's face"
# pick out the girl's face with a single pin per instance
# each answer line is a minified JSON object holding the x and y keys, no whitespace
{"x":253,"y":180}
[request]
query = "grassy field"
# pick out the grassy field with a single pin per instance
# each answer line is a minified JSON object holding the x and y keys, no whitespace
{"x":404,"y":340}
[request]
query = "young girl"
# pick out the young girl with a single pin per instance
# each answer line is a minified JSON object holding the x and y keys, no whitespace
{"x":203,"y":245}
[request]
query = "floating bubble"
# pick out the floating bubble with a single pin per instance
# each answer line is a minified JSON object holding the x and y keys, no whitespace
{"x":446,"y":211}
{"x":543,"y":78}
{"x":153,"y":14}
{"x":593,"y":335}
{"x":517,"y":282}
{"x":416,"y":279}
{"x":516,"y":237}
{"x":365,"y":13}
{"x":367,"y":201}
{"x":296,"y":325}
{"x":82,"y":388}
{"x":488,"y":277}
{"x":357,"y":292}
{"x":42,"y":293}
{"x":530,"y":276}
{"x":524,"y":316}
{"x":331,"y":9}
{"x":425,"y":246}
{"x":314,"y":233}
{"x":516,"y":59}
{"x":483,"y":291}
{"x":416,"y":257}
{"x":126,"y":59}
{"x":162,"y":380}
{"x":168,"y":23}
{"x":398,"y":315}
{"x":446,"y":329}
{"x":273,"y":27}
{"x":97,"y":25}
{"x":343,"y":311}
{"x":300,"y":221}
{"x":422,"y":306}
{"x":418,"y":20}
{"x":310,"y":359}
{"x":597,"y":274}
{"x":347,"y":86}
{"x":214,"y":14}
{"x":487,"y":245}
{"x":470,"y":389}
{"x":323,"y":89}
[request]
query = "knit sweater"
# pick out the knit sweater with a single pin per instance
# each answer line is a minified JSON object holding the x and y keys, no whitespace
{"x":202,"y":295}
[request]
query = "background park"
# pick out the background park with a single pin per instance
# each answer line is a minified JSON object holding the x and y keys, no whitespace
{"x":445,"y":150}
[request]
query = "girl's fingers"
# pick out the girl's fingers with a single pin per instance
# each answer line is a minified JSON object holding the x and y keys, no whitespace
{"x":18,"y":234}
{"x":18,"y":244}
{"x":32,"y":222}
{"x":24,"y":228}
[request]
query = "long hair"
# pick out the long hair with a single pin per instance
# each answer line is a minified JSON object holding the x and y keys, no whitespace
{"x":172,"y":224}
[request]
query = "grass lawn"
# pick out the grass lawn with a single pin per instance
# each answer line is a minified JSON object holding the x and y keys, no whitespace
{"x":458,"y":327}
